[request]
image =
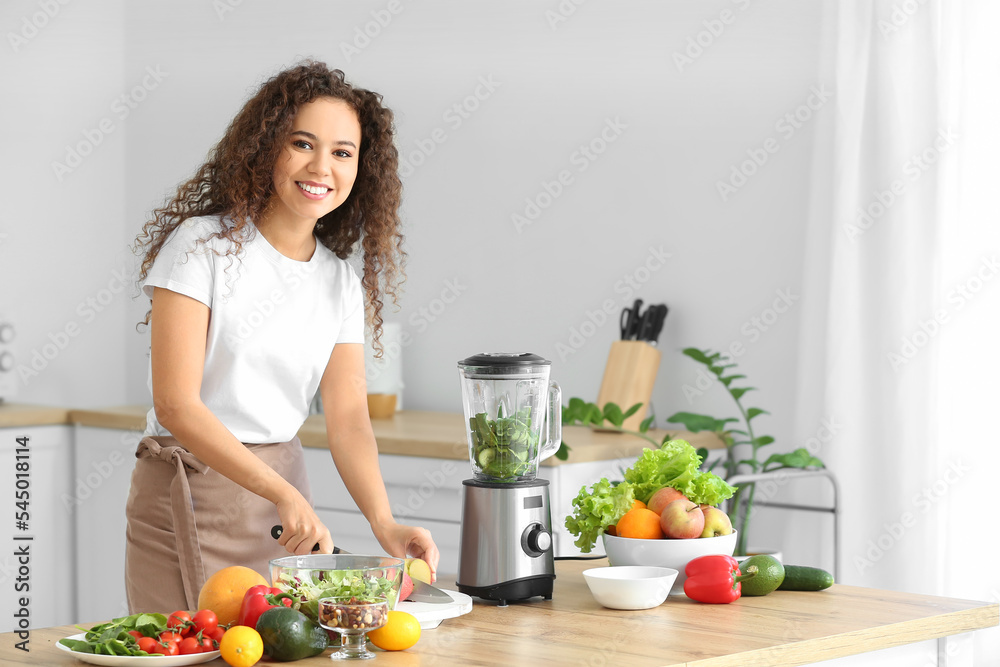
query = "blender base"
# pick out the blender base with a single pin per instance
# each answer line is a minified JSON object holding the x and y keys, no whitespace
{"x":519,"y":589}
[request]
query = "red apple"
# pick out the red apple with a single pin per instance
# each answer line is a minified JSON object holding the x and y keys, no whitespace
{"x":663,"y":497}
{"x":682,"y":519}
{"x":406,"y":588}
{"x":716,"y":522}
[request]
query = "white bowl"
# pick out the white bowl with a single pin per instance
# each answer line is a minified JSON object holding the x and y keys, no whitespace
{"x":670,"y":553}
{"x":630,"y":587}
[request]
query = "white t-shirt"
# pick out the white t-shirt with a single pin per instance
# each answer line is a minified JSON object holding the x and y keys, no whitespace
{"x":273,"y":324}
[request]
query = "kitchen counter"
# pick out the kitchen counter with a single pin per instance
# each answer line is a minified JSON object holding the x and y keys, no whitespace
{"x":783,"y":628}
{"x":408,"y":432}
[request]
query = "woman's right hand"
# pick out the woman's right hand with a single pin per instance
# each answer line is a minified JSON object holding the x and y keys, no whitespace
{"x":301,"y":529}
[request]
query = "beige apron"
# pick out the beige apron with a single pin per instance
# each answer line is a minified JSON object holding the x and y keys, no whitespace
{"x":187,"y":521}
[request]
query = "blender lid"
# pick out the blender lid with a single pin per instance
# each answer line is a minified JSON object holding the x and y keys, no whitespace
{"x":504,"y":362}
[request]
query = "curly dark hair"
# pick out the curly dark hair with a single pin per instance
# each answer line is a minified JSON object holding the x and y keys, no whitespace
{"x":236,"y":182}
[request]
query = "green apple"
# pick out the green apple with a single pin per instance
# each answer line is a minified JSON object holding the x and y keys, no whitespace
{"x":716,"y":522}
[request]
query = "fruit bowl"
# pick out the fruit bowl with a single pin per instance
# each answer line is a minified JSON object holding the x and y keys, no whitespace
{"x":670,"y":553}
{"x":309,"y":578}
{"x":630,"y":586}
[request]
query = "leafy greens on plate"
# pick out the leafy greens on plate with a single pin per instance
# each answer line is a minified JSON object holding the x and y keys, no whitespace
{"x":675,"y":464}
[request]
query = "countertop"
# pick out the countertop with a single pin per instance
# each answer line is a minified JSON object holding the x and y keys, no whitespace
{"x":783,"y":628}
{"x":408,"y":432}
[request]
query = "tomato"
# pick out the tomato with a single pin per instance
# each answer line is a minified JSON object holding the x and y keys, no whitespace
{"x":205,"y":620}
{"x":189,"y":645}
{"x":216,"y":634}
{"x":136,"y":634}
{"x":166,"y":648}
{"x":179,"y":620}
{"x":171,"y":636}
{"x":147,"y":644}
{"x":206,"y":645}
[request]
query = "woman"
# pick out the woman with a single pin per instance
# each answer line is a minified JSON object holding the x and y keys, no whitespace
{"x":254,"y":309}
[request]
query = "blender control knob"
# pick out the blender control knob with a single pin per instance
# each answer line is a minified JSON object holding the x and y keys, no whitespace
{"x":536,"y":540}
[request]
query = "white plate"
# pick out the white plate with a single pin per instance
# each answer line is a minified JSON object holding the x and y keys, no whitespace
{"x":430,"y":614}
{"x":116,"y":660}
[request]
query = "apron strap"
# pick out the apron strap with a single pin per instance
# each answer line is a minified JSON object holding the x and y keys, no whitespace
{"x":169,"y":450}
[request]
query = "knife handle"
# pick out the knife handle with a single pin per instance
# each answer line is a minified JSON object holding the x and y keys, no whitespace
{"x":277,"y":530}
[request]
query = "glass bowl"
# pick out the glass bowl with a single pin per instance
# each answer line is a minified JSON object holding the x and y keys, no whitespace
{"x":309,"y":578}
{"x":353,"y":618}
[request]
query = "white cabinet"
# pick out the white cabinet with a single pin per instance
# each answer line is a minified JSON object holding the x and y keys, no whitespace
{"x":104,"y":462}
{"x":44,"y":575}
{"x":422,"y":492}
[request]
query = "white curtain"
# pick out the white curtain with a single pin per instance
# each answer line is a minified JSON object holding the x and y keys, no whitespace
{"x":902,"y":296}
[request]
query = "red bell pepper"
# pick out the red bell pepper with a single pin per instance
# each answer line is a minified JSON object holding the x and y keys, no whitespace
{"x":259,"y":599}
{"x":714,"y":579}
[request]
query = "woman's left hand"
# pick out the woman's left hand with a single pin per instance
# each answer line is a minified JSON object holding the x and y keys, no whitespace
{"x":409,"y":542}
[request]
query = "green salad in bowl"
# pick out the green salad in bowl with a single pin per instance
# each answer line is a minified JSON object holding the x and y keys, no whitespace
{"x":310,"y":578}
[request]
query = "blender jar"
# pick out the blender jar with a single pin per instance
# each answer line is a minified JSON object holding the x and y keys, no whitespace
{"x":508,"y":401}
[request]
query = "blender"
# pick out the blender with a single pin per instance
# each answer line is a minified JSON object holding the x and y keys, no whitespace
{"x":513,"y":420}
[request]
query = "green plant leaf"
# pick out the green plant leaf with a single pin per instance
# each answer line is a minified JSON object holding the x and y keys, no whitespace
{"x":694,"y":422}
{"x":563,"y":452}
{"x":800,"y":458}
{"x":753,"y":412}
{"x":631,"y":411}
{"x":729,"y":379}
{"x":697,"y":355}
{"x":613,"y":413}
{"x":703,"y":453}
{"x":736,"y":430}
{"x":762,"y":440}
{"x":646,"y":423}
{"x":720,"y":369}
{"x":739,"y":391}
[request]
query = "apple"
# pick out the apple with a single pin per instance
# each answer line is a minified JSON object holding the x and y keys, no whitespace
{"x":663,"y":497}
{"x":406,"y":588}
{"x":716,"y":522}
{"x":418,"y":569}
{"x":682,"y":519}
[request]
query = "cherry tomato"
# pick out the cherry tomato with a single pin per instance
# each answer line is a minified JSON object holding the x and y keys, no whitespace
{"x":179,"y":620}
{"x":136,"y":634}
{"x":189,"y":645}
{"x":147,"y":644}
{"x":166,"y":648}
{"x":216,"y":634}
{"x":207,"y":645}
{"x":205,"y":620}
{"x":170,"y":636}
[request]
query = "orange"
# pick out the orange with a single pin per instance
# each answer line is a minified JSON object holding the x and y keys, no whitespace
{"x":400,"y":632}
{"x":640,"y":523}
{"x":224,"y":590}
{"x":637,"y":504}
{"x":241,"y":646}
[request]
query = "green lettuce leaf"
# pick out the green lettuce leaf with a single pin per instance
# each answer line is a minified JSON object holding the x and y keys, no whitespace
{"x":593,"y":510}
{"x":676,"y":464}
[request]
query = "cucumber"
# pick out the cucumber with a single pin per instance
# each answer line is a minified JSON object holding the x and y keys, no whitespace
{"x":801,"y":578}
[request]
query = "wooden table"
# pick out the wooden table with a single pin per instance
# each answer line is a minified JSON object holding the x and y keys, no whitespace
{"x":783,"y":628}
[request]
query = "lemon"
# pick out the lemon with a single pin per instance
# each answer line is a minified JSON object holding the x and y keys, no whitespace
{"x":767,"y":571}
{"x":400,"y":632}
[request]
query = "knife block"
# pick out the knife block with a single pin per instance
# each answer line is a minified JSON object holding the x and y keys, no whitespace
{"x":629,"y":377}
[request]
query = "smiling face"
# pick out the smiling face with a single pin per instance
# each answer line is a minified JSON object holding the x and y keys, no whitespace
{"x":318,"y":165}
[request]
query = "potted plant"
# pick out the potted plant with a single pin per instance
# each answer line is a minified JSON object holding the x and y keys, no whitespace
{"x":611,"y":417}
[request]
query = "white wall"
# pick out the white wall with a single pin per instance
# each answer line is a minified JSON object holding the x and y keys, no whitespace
{"x":555,"y":89}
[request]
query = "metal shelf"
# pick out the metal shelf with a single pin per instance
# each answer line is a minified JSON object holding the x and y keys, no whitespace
{"x":787,"y":474}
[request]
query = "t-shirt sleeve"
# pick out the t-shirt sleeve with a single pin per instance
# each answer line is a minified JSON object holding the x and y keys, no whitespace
{"x":184,"y":265}
{"x":353,"y":329}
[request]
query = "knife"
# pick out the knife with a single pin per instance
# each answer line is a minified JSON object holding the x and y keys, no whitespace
{"x":422,"y":592}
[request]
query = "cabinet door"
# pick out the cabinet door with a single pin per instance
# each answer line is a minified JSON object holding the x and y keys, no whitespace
{"x":105,"y":459}
{"x":565,"y":482}
{"x":39,"y":570}
{"x":422,"y":491}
